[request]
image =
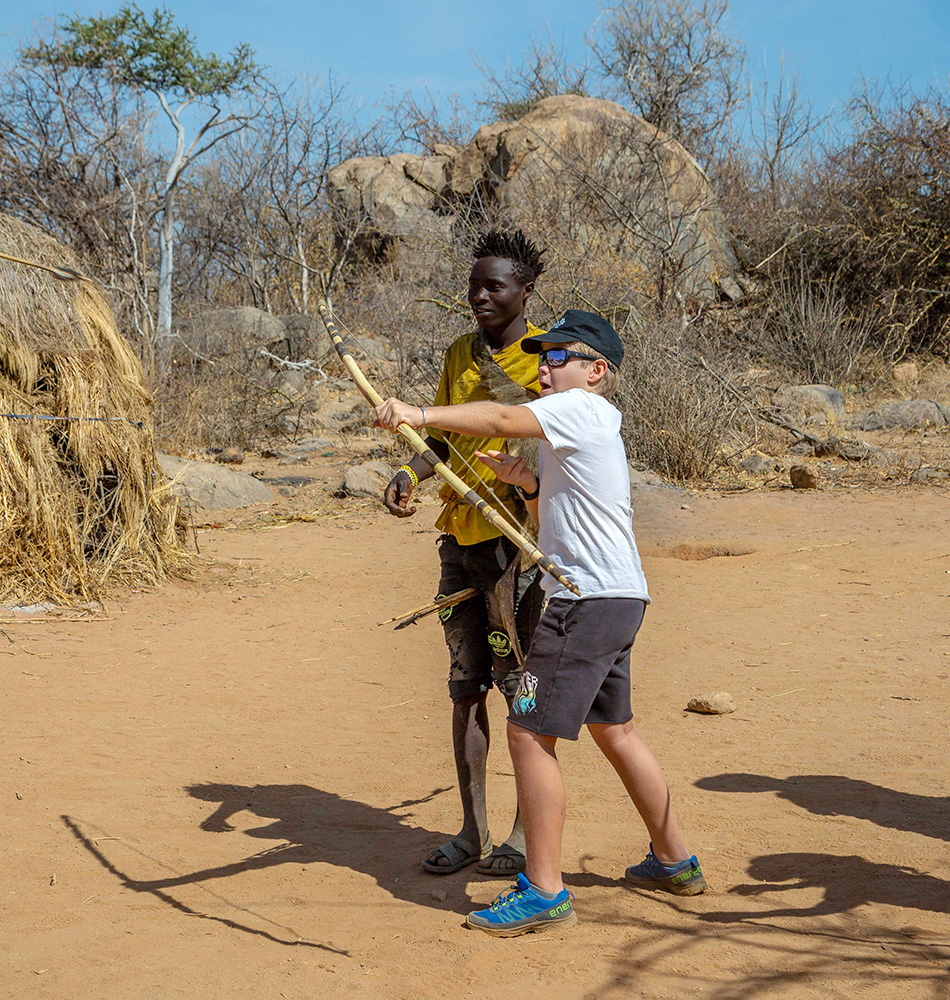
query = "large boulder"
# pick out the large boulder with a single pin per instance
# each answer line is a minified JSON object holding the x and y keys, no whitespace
{"x":583,"y":165}
{"x":307,"y":338}
{"x":905,"y":414}
{"x":800,"y":401}
{"x":238,"y":330}
{"x":399,"y":193}
{"x":211,"y":485}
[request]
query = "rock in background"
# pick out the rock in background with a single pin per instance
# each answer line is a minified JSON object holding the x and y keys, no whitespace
{"x":578,"y":163}
{"x":213,"y":486}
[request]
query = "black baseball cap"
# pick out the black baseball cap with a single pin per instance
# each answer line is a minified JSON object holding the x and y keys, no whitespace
{"x":588,"y":328}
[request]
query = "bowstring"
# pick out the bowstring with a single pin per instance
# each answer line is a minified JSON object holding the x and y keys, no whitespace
{"x":501,"y":503}
{"x":457,"y":454}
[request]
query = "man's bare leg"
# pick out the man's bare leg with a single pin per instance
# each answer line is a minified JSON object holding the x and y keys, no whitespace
{"x":507,"y":858}
{"x":470,"y":742}
{"x":646,"y":785}
{"x":515,"y":839}
{"x":471,"y":739}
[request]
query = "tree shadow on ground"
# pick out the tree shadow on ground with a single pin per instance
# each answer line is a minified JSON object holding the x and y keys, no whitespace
{"x":310,"y":826}
{"x":756,"y":960}
{"x":836,"y":795}
{"x":846,"y":883}
{"x":840,"y":945}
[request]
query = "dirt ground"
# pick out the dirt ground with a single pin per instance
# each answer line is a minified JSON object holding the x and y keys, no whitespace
{"x":225,"y":787}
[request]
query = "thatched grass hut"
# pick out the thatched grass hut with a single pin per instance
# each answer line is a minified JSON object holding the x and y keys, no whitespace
{"x":83,"y":508}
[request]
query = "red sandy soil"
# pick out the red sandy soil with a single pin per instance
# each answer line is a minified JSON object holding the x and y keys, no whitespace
{"x":224,"y":788}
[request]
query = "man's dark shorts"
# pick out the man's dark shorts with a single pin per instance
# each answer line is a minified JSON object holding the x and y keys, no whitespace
{"x":480,"y":650}
{"x":577,"y":670}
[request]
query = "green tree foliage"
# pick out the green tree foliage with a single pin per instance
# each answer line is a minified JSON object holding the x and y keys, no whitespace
{"x":151,"y":53}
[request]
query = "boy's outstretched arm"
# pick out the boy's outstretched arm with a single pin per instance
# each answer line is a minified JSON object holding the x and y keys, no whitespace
{"x":481,"y":419}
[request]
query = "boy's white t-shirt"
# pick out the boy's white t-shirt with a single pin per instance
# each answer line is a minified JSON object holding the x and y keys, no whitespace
{"x":584,"y":504}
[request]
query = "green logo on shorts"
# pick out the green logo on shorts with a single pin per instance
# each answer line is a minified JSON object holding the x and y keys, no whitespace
{"x":500,"y":643}
{"x":446,"y":613}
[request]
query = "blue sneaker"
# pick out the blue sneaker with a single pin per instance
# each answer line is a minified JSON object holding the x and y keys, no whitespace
{"x":685,"y":878}
{"x":521,"y":909}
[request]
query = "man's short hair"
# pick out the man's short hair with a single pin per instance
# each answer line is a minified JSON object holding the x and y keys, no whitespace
{"x":610,"y":383}
{"x":523,"y":254}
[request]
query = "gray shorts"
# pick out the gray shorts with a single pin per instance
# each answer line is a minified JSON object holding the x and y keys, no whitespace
{"x":577,"y":670}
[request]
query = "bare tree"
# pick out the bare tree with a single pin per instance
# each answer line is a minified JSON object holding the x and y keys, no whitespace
{"x":151,"y":54}
{"x":878,"y":220}
{"x":545,"y":71}
{"x":74,"y":161}
{"x":423,"y":122}
{"x":258,"y":214}
{"x":783,"y":123}
{"x":673,"y":63}
{"x":765,"y":172}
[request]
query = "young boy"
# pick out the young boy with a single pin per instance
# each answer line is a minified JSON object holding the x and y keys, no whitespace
{"x":578,"y":666}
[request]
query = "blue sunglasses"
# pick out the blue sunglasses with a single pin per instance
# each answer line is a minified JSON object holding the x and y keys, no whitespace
{"x":558,"y":357}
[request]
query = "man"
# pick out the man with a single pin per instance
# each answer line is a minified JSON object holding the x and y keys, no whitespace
{"x":485,"y":365}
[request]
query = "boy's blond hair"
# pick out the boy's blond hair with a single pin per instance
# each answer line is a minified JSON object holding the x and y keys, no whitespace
{"x":610,"y":383}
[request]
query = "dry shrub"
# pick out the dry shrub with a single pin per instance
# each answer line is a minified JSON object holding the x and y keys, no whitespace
{"x":871,"y":219}
{"x":676,"y":411}
{"x":209,"y":403}
{"x":82,"y":505}
{"x":812,"y":333}
{"x":418,"y":320}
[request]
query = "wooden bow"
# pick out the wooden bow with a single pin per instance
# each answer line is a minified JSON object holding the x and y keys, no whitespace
{"x":496,"y":520}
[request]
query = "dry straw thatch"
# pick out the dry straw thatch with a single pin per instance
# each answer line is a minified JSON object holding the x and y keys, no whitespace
{"x":83,"y":507}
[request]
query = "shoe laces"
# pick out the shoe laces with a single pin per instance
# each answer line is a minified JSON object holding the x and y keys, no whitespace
{"x":511,"y":895}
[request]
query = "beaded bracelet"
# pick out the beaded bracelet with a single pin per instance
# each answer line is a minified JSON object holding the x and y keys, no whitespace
{"x":412,"y":475}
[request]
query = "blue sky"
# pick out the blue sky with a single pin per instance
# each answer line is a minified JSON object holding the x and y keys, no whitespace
{"x":432,"y":44}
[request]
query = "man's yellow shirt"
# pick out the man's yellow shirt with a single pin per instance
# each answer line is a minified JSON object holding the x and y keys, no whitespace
{"x":461,"y":382}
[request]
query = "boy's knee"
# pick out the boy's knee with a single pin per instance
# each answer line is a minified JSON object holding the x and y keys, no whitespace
{"x":520,"y":738}
{"x":610,"y":734}
{"x":518,"y":735}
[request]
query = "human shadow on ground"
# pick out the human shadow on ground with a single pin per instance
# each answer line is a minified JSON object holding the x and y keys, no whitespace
{"x":836,"y":795}
{"x":310,"y":826}
{"x":847,"y":882}
{"x":313,"y":826}
{"x":273,"y":931}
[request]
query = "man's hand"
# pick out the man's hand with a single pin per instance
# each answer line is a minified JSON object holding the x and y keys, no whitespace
{"x":510,"y":469}
{"x":393,"y":412}
{"x":396,"y":497}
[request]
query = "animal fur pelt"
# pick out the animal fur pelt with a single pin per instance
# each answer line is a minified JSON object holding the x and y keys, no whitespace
{"x":500,"y":387}
{"x":503,"y":389}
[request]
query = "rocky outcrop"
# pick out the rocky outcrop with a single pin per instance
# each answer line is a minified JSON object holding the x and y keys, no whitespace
{"x":401,"y":195}
{"x":211,"y":485}
{"x":220,"y":332}
{"x":581,"y":165}
{"x":904,"y":414}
